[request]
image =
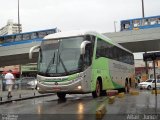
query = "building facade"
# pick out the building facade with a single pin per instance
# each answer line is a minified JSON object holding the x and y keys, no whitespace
{"x":10,"y":28}
{"x":140,"y":69}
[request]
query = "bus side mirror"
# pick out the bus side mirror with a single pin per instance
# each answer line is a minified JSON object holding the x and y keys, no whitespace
{"x":31,"y":50}
{"x":83,"y":46}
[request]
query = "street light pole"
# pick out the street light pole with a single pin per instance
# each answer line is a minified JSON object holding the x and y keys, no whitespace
{"x":146,"y":66}
{"x":155,"y":77}
{"x":18,"y":18}
{"x":142,"y":9}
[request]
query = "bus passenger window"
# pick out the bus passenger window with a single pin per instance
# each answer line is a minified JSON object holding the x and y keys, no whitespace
{"x":34,"y":35}
{"x":136,"y":23}
{"x":26,"y":37}
{"x":152,"y":21}
{"x":9,"y":39}
{"x":41,"y":34}
{"x":125,"y":25}
{"x":50,"y":32}
{"x":87,"y":56}
{"x":144,"y":22}
{"x":1,"y":40}
{"x":158,"y":20}
{"x":18,"y":37}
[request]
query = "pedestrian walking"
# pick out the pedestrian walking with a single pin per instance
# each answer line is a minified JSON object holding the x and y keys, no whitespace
{"x":9,"y":77}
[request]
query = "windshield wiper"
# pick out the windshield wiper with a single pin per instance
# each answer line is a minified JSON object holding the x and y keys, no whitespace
{"x":65,"y":69}
{"x":51,"y":62}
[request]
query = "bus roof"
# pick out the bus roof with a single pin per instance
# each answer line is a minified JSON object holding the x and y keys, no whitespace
{"x":70,"y":34}
{"x":28,"y":32}
{"x":81,"y":33}
{"x":158,"y":16}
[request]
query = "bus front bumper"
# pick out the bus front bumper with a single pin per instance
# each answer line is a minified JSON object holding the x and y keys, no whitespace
{"x":70,"y":88}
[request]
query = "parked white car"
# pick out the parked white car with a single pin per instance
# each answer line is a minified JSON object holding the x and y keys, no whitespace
{"x":146,"y":85}
{"x":157,"y":84}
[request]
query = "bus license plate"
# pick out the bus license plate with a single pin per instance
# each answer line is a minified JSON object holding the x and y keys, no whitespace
{"x":56,"y":88}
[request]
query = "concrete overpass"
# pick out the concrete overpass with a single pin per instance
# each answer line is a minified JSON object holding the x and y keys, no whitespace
{"x":17,"y":54}
{"x":136,"y":41}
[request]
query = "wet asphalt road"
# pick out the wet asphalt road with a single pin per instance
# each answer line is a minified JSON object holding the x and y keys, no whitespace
{"x":79,"y":107}
{"x":145,"y":106}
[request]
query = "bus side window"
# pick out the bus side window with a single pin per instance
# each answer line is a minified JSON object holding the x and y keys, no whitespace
{"x":34,"y":35}
{"x":92,"y":40}
{"x":18,"y":37}
{"x":136,"y":23}
{"x":1,"y":40}
{"x":158,"y":20}
{"x":145,"y":22}
{"x":152,"y":21}
{"x":9,"y":39}
{"x":26,"y":36}
{"x":125,"y":25}
{"x":87,"y":56}
{"x":50,"y":32}
{"x":98,"y":49}
{"x":41,"y":34}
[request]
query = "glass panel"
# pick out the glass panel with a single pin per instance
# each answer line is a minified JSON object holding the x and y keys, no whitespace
{"x":158,"y":20}
{"x":26,"y":36}
{"x":136,"y":23}
{"x":145,"y":22}
{"x":34,"y":35}
{"x":153,"y":81}
{"x":1,"y":40}
{"x":153,"y":21}
{"x":149,"y":80}
{"x":18,"y":37}
{"x":41,"y":34}
{"x":125,"y":25}
{"x":50,"y":32}
{"x":9,"y":39}
{"x":60,"y":56}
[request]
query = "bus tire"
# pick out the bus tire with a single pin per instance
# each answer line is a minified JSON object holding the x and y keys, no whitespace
{"x":97,"y":92}
{"x":149,"y":87}
{"x":61,"y":96}
{"x":103,"y":93}
{"x":121,"y":90}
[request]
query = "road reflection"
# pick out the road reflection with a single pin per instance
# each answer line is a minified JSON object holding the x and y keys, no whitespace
{"x":39,"y":109}
{"x":80,"y":108}
{"x":155,"y":104}
{"x":80,"y":111}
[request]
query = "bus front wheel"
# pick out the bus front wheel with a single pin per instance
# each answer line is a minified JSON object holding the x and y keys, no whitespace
{"x":61,"y":96}
{"x":97,"y":92}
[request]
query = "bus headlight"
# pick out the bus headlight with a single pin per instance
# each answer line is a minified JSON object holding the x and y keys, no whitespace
{"x":79,"y":87}
{"x":37,"y":88}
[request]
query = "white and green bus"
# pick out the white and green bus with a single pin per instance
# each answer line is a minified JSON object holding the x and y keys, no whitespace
{"x":80,"y":62}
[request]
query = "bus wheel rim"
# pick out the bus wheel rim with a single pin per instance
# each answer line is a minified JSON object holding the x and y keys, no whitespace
{"x":98,"y":89}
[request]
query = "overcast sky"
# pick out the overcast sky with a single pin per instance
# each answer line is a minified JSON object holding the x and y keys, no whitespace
{"x":98,"y":15}
{"x":66,"y":15}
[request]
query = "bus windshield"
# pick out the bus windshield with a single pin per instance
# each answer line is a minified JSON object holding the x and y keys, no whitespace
{"x":60,"y":56}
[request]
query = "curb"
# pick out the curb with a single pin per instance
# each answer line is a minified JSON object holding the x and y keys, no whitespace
{"x":111,"y":100}
{"x":154,"y":92}
{"x":121,"y":95}
{"x":134,"y":93}
{"x":25,"y":98}
{"x":112,"y":92}
{"x":100,"y":112}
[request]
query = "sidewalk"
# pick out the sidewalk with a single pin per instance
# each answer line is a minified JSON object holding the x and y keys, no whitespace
{"x":18,"y":95}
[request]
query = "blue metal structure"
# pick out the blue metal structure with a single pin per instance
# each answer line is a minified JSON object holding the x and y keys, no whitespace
{"x":28,"y":37}
{"x":140,"y":23}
